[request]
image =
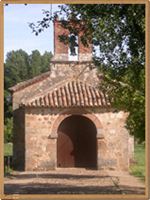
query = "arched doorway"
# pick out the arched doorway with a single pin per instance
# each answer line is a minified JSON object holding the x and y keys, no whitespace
{"x":76,"y":143}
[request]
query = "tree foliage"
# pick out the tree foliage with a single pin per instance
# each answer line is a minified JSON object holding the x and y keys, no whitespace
{"x":117,"y":32}
{"x":19,"y":66}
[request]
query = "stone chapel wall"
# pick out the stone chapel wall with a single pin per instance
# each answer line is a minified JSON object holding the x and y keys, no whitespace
{"x":115,"y":151}
{"x":19,"y":139}
{"x":41,"y":141}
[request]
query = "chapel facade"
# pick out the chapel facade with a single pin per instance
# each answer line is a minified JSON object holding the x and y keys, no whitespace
{"x":63,"y":120}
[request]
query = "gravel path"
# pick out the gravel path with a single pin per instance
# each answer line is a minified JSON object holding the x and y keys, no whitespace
{"x":73,"y":181}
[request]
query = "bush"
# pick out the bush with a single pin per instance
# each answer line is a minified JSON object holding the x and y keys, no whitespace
{"x":138,"y":167}
{"x":8,"y":129}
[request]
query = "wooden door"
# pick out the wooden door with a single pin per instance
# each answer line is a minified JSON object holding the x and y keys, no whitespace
{"x":65,"y":143}
{"x":76,"y":143}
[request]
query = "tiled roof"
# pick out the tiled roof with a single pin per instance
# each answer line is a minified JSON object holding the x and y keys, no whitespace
{"x":29,"y":82}
{"x":73,"y":93}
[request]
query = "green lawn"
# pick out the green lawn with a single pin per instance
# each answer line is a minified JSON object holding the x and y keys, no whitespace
{"x":138,"y":168}
{"x":8,"y":149}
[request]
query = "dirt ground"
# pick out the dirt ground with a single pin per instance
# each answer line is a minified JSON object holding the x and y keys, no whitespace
{"x":73,"y":181}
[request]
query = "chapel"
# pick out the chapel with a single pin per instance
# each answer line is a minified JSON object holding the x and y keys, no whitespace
{"x":63,"y":120}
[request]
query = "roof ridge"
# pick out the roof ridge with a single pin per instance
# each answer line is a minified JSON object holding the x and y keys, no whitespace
{"x":24,"y":84}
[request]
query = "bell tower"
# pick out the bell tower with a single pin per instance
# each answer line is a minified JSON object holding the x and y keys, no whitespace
{"x":74,"y":50}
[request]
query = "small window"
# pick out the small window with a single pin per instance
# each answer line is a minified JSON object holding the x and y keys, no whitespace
{"x":73,"y":47}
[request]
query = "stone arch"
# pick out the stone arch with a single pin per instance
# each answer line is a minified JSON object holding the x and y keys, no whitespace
{"x":68,"y":113}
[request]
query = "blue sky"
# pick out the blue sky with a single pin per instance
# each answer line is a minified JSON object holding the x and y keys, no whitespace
{"x":18,"y":35}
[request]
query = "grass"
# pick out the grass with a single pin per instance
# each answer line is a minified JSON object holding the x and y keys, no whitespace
{"x":138,"y":167}
{"x":8,"y":149}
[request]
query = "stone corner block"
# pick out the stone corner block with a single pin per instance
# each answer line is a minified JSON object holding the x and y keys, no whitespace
{"x":100,"y":134}
{"x":53,"y":136}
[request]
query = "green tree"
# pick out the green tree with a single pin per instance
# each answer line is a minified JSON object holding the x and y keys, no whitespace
{"x":45,"y":61}
{"x":118,"y":32}
{"x":16,"y":67}
{"x":16,"y":70}
{"x":19,"y":66}
{"x":35,"y":63}
{"x":8,"y":130}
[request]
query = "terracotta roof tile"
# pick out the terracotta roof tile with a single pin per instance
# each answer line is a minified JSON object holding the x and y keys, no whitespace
{"x":29,"y":82}
{"x":73,"y":93}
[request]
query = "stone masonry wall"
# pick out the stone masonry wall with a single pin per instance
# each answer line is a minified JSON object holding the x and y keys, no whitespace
{"x":40,"y":149}
{"x":19,"y":139}
{"x":131,"y":147}
{"x":41,"y":141}
{"x":113,"y":149}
